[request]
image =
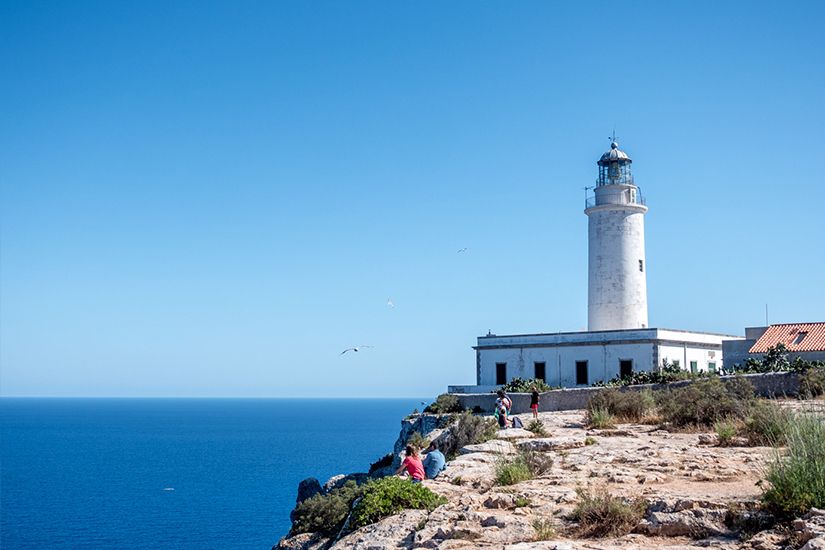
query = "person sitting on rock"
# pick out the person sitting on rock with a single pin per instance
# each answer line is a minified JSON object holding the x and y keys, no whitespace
{"x":434,"y":462}
{"x":501,"y":415}
{"x":503,"y":399}
{"x":412,"y":464}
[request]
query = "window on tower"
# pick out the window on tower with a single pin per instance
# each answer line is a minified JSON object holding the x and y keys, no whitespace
{"x":641,"y":265}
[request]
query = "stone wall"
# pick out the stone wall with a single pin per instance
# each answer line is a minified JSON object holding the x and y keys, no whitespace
{"x":771,"y":384}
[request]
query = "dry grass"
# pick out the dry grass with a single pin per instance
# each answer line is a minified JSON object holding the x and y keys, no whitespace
{"x":601,"y":514}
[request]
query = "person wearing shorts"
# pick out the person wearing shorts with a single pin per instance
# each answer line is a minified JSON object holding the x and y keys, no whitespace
{"x":534,"y":402}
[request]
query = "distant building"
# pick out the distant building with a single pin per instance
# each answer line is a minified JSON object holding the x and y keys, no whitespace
{"x":618,"y":340}
{"x":804,"y":340}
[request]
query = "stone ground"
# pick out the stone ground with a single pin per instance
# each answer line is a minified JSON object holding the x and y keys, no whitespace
{"x":689,"y":483}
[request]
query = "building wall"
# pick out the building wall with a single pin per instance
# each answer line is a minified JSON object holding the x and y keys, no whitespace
{"x":736,"y":351}
{"x":773,"y":384}
{"x":560,"y":362}
{"x":617,"y":288}
{"x":686,"y":353}
{"x":646,"y":348}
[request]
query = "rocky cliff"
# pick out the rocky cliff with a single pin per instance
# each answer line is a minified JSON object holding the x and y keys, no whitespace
{"x":696,"y":494}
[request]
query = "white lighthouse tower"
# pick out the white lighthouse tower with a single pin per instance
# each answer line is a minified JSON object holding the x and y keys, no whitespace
{"x":617,"y":290}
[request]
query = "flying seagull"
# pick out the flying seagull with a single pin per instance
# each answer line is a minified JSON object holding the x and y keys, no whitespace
{"x":355,"y":349}
{"x":390,"y":303}
{"x":462,"y":250}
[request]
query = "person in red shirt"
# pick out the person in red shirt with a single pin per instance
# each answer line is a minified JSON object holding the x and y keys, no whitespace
{"x":412,"y":464}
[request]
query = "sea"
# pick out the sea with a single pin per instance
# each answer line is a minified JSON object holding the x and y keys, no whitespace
{"x":175,"y":473}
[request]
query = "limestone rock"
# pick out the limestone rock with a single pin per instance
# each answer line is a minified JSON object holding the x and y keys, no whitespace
{"x":494,"y":446}
{"x":767,"y":540}
{"x":685,"y":518}
{"x":545,"y":444}
{"x":815,"y":544}
{"x":501,"y":501}
{"x":304,"y":541}
{"x":613,"y":433}
{"x":336,"y":482}
{"x":515,"y":433}
{"x":392,"y":532}
{"x":543,"y":545}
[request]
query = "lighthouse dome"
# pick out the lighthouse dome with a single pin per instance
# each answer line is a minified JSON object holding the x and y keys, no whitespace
{"x":614,"y":154}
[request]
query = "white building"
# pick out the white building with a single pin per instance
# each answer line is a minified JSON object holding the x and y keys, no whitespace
{"x":618,"y":340}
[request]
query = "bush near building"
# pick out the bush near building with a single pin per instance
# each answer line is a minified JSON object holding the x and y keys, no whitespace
{"x":796,"y":477}
{"x":629,"y":406}
{"x":521,"y":385}
{"x":469,"y":429}
{"x":444,"y":404}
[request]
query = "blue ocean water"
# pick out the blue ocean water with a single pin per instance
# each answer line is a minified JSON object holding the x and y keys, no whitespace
{"x":91,"y":473}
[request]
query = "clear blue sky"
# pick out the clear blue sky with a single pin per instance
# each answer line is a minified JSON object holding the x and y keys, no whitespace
{"x":216,"y":198}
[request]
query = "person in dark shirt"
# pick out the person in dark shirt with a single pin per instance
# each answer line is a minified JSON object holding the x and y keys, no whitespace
{"x":534,"y":402}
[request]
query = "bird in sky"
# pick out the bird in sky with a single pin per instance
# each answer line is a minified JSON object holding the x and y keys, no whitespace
{"x":355,"y":349}
{"x":390,"y":303}
{"x":462,"y":250}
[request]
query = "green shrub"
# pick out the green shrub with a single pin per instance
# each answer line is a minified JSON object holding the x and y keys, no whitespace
{"x":382,"y":462}
{"x":705,"y":401}
{"x":325,"y":513}
{"x":469,"y":430}
{"x":522,"y":466}
{"x":545,"y":530}
{"x":766,"y":423}
{"x":444,"y":404}
{"x":521,"y":502}
{"x":590,"y":440}
{"x":630,"y":406}
{"x":797,"y":477}
{"x":670,"y":372}
{"x":390,"y":495}
{"x":604,"y":515}
{"x":812,"y":383}
{"x":510,"y":471}
{"x":520,"y":385}
{"x":725,"y":431}
{"x":600,"y":418}
{"x":537,"y":427}
{"x":418,"y":441}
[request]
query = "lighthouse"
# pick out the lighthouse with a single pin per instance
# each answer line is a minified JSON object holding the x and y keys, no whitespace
{"x":617,"y":288}
{"x":619,"y":340}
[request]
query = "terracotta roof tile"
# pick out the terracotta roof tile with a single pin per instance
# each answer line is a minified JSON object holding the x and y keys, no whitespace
{"x":795,"y":336}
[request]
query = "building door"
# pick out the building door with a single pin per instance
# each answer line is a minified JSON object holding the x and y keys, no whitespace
{"x":712,"y":367}
{"x":540,"y":371}
{"x":581,"y":373}
{"x":501,"y":373}
{"x":694,"y":367}
{"x":625,"y":368}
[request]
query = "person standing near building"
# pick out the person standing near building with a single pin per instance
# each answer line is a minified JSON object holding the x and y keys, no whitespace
{"x":534,"y":402}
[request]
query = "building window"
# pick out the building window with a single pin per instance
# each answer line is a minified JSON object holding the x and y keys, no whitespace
{"x":641,"y":265}
{"x":501,"y":373}
{"x":694,"y":367}
{"x":799,"y":337}
{"x":625,"y":368}
{"x":712,"y":367}
{"x":540,"y":371}
{"x":581,"y":373}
